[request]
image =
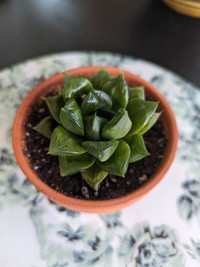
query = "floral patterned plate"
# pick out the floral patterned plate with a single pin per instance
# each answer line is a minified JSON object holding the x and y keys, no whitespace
{"x":163,"y":229}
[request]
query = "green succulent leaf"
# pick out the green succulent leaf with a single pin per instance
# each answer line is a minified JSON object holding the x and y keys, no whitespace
{"x":118,"y":163}
{"x":93,"y":126}
{"x":136,"y":92}
{"x":118,"y":91}
{"x":137,"y":146}
{"x":100,"y":78}
{"x":102,"y":150}
{"x":65,"y":143}
{"x":118,"y":127}
{"x":140,"y":112}
{"x":150,"y":123}
{"x":71,"y":117}
{"x":95,"y":100}
{"x":94,"y":176}
{"x":46,"y":127}
{"x":60,"y":91}
{"x":54,"y":104}
{"x":75,"y":86}
{"x":73,"y":164}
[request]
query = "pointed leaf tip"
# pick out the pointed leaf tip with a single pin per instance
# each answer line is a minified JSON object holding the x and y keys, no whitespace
{"x":46,"y":126}
{"x":100,"y":78}
{"x":71,"y":117}
{"x":137,"y":146}
{"x":140,"y":112}
{"x":136,"y":92}
{"x":117,"y":164}
{"x":118,"y":126}
{"x":118,"y":91}
{"x":55,"y":103}
{"x":93,"y":125}
{"x":95,"y":100}
{"x":102,"y":150}
{"x":65,"y":143}
{"x":73,"y":164}
{"x":75,"y":86}
{"x":94,"y":176}
{"x":150,"y":123}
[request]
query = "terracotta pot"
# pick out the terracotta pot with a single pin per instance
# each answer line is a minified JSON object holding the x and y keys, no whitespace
{"x":100,"y":206}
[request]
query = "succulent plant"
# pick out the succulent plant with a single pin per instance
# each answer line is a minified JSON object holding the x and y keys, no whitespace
{"x":96,"y":125}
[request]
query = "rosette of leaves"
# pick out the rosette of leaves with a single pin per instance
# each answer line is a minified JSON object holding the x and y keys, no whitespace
{"x":96,"y":126}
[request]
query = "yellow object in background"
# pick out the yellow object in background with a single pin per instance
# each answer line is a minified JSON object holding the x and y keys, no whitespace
{"x":186,"y":7}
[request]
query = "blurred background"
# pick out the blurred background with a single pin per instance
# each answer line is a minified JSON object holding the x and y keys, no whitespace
{"x":146,"y":28}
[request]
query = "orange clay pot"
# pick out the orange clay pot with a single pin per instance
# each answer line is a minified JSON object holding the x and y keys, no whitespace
{"x":94,"y":206}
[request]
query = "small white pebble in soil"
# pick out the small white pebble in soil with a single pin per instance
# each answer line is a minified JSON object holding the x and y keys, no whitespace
{"x":143,"y":178}
{"x":113,"y":179}
{"x":107,"y":184}
{"x":84,"y":189}
{"x":29,"y":125}
{"x":41,"y":110}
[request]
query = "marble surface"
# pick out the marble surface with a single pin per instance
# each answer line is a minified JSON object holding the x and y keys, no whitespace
{"x":163,"y":229}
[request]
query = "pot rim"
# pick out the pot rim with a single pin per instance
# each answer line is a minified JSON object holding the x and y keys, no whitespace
{"x":97,"y":206}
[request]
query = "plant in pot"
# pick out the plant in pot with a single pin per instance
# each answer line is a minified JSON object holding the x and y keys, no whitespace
{"x":90,"y":125}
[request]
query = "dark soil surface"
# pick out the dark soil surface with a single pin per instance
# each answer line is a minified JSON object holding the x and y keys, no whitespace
{"x":47,"y":167}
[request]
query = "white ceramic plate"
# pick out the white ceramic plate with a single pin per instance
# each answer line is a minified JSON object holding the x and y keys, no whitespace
{"x":160,"y":230}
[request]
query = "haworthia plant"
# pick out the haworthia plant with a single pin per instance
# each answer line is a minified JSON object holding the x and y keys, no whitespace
{"x":96,"y":125}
